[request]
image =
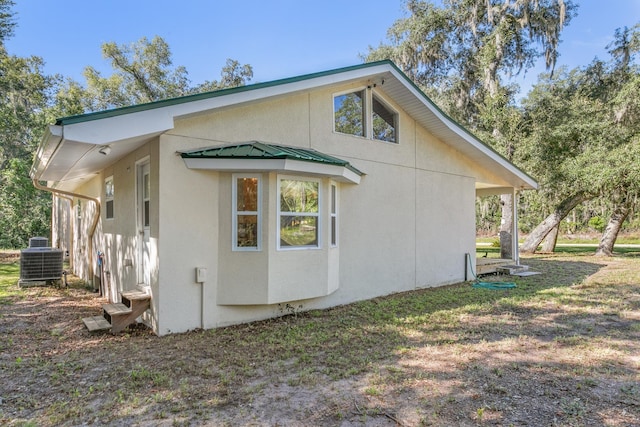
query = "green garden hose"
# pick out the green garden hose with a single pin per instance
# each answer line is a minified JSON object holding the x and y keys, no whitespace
{"x":487,"y":285}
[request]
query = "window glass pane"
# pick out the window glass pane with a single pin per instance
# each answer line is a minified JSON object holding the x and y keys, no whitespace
{"x":334,"y":238}
{"x":298,"y":196}
{"x":349,"y":113}
{"x":108,"y":189}
{"x":109,"y":209}
{"x":146,"y":186}
{"x":298,"y":230}
{"x":247,"y":231}
{"x":333,"y":199}
{"x":384,"y":122}
{"x":146,"y":213}
{"x":108,"y":193}
{"x":246,"y":212}
{"x":247,"y":199}
{"x":334,"y":216}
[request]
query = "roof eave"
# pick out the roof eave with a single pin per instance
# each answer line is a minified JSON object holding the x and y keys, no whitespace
{"x":456,"y":130}
{"x":51,"y":141}
{"x":148,"y":120}
{"x":282,"y":165}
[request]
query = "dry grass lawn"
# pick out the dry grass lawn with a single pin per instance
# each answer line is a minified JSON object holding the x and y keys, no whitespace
{"x":561,"y":349}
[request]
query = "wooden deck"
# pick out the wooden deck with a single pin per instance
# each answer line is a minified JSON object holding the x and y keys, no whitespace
{"x":490,"y":265}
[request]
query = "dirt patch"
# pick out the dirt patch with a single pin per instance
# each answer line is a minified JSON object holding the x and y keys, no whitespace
{"x":561,"y":350}
{"x":7,"y":256}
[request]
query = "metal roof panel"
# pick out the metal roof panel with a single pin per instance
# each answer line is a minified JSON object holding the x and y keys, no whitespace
{"x":261,"y":150}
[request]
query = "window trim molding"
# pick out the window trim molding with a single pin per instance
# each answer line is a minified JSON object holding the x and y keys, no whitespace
{"x":365,"y":108}
{"x":279,"y":213}
{"x":235,"y":213}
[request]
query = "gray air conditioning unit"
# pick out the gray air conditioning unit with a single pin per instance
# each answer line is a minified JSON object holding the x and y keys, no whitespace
{"x":38,"y":264}
{"x":38,"y":242}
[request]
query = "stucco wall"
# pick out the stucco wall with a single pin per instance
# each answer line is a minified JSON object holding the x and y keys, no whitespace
{"x":188,"y":218}
{"x":407,"y":224}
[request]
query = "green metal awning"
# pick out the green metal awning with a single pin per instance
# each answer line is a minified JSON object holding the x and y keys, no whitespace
{"x":260,"y":156}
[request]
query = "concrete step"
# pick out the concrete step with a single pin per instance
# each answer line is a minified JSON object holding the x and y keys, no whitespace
{"x":512,"y":269}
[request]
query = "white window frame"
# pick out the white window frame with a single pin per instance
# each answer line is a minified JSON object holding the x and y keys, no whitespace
{"x":365,"y":109}
{"x":369,"y":93}
{"x":236,"y":213}
{"x":109,"y":198}
{"x":386,"y":105}
{"x":318,"y":214}
{"x":333,"y":214}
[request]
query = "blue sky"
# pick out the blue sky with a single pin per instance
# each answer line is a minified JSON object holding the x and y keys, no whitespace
{"x":279,"y":38}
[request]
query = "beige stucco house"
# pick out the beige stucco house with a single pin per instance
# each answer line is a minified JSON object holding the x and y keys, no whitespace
{"x":242,"y":204}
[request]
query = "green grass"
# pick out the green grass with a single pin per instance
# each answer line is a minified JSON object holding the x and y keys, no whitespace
{"x":9,"y":275}
{"x":493,"y":252}
{"x":569,"y":331}
{"x":593,"y":239}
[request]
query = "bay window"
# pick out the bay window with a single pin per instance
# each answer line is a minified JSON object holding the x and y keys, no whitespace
{"x":247,"y":201}
{"x":298,"y":213}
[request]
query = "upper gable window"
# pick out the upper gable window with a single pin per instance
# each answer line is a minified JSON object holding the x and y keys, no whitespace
{"x":349,"y":113}
{"x":384,"y":121}
{"x":362,"y":113}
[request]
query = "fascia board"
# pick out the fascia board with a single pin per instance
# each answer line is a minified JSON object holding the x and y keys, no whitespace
{"x":118,"y":128}
{"x":461,"y":133}
{"x":157,"y":120}
{"x":51,"y":141}
{"x":238,"y":165}
{"x":493,"y":191}
{"x":339,"y":173}
{"x":204,"y":105}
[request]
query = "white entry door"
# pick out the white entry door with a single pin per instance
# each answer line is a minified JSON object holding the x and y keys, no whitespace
{"x":144,"y":198}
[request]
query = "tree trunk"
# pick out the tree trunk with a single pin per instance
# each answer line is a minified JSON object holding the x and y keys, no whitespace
{"x":506,"y":227}
{"x":540,"y":232}
{"x":608,"y":239}
{"x":549,"y":244}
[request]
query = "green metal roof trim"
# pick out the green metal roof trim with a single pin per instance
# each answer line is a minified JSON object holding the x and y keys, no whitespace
{"x":260,"y":151}
{"x":213,"y":94}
